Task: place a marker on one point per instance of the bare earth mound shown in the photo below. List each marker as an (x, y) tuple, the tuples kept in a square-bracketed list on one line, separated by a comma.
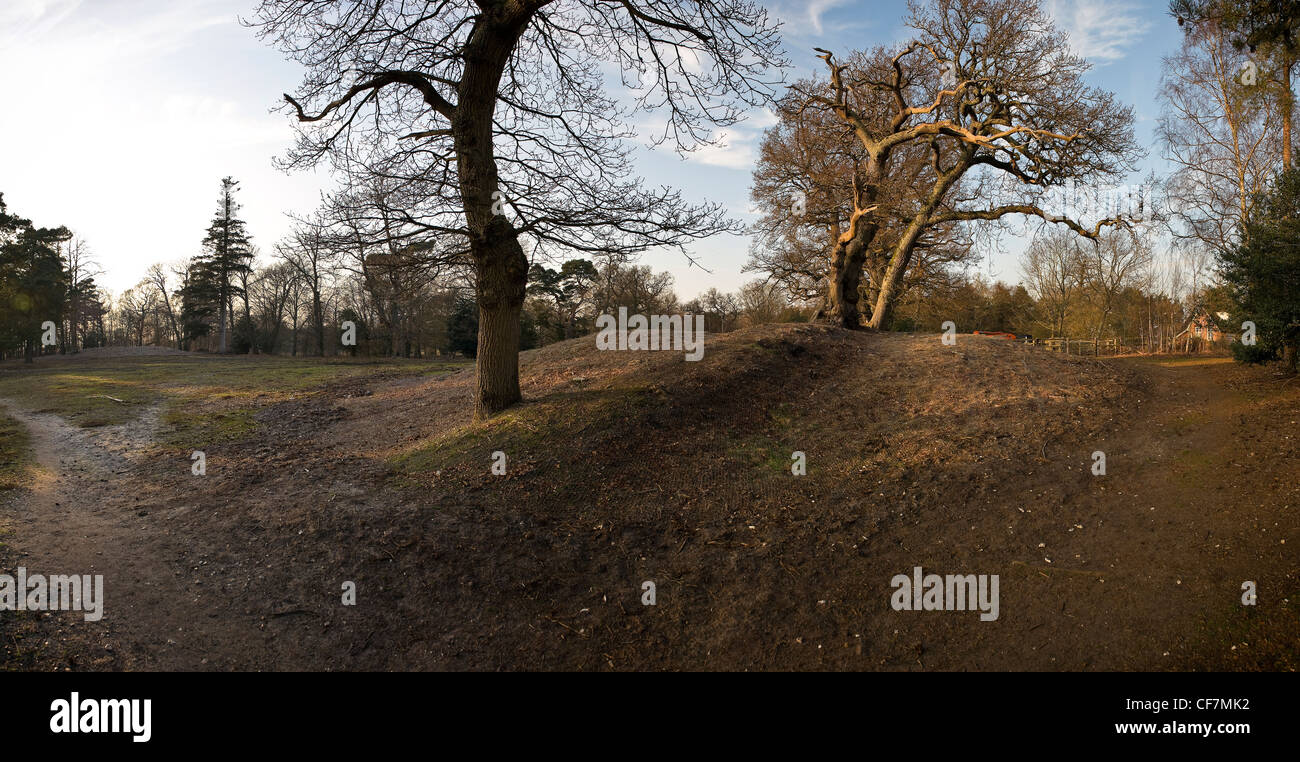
[(632, 467)]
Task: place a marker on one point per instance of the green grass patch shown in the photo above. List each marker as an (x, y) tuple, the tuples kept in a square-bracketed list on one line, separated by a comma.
[(530, 431), (84, 399), (184, 425), (761, 452), (15, 454)]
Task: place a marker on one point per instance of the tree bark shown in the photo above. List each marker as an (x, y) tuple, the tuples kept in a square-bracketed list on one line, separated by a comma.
[(888, 293), (901, 256), (320, 322), (847, 259), (500, 264), (502, 276), (849, 254)]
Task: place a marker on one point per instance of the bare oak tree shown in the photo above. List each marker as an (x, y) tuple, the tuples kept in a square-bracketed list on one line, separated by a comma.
[(804, 188), (308, 252), (1054, 270), (156, 277), (988, 86), (492, 116)]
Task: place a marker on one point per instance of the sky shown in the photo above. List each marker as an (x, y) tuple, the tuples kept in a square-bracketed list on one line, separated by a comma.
[(120, 117)]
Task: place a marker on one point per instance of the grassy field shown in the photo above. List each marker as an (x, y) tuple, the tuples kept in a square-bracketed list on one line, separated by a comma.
[(211, 397)]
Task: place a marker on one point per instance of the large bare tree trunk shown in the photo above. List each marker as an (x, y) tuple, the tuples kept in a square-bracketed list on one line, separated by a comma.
[(888, 294), (901, 256), (502, 275), (500, 264), (849, 254), (847, 259)]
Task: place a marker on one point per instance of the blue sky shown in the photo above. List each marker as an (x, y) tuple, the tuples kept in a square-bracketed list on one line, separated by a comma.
[(121, 116)]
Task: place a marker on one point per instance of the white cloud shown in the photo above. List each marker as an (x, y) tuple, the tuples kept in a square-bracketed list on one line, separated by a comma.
[(1101, 31), (21, 19), (818, 8), (762, 119), (734, 150)]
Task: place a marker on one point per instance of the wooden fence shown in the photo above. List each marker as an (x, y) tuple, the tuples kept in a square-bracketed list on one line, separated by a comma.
[(1081, 346)]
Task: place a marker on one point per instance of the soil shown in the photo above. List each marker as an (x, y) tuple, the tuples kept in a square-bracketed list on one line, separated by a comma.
[(628, 467)]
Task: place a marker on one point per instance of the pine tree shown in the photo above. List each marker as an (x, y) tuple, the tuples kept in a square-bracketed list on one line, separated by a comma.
[(199, 298), (33, 281), (1263, 274), (228, 252)]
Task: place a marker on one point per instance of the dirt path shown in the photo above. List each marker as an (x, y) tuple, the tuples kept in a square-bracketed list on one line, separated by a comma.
[(1202, 494), (1140, 568), (78, 519)]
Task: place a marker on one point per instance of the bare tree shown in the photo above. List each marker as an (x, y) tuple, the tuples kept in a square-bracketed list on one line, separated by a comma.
[(1218, 134), (1114, 262), (135, 304), (308, 252), (724, 305), (491, 117), (396, 260), (82, 270), (987, 85), (1054, 272), (156, 277), (639, 288), (761, 302), (804, 185)]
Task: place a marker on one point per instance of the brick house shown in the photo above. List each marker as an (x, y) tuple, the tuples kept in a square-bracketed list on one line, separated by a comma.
[(1207, 327)]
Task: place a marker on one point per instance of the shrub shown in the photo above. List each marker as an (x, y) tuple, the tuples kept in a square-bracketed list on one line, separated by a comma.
[(1252, 354)]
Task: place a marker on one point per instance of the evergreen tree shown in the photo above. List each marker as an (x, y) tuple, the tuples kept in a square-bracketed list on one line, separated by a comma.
[(462, 328), (1263, 274), (227, 252), (200, 296), (33, 281)]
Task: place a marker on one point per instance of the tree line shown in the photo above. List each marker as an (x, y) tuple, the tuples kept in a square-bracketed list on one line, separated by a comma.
[(49, 300)]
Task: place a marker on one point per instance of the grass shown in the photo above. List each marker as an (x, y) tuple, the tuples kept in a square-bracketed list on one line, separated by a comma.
[(184, 426), (81, 398), (1184, 361), (210, 398), (527, 430), (15, 462)]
